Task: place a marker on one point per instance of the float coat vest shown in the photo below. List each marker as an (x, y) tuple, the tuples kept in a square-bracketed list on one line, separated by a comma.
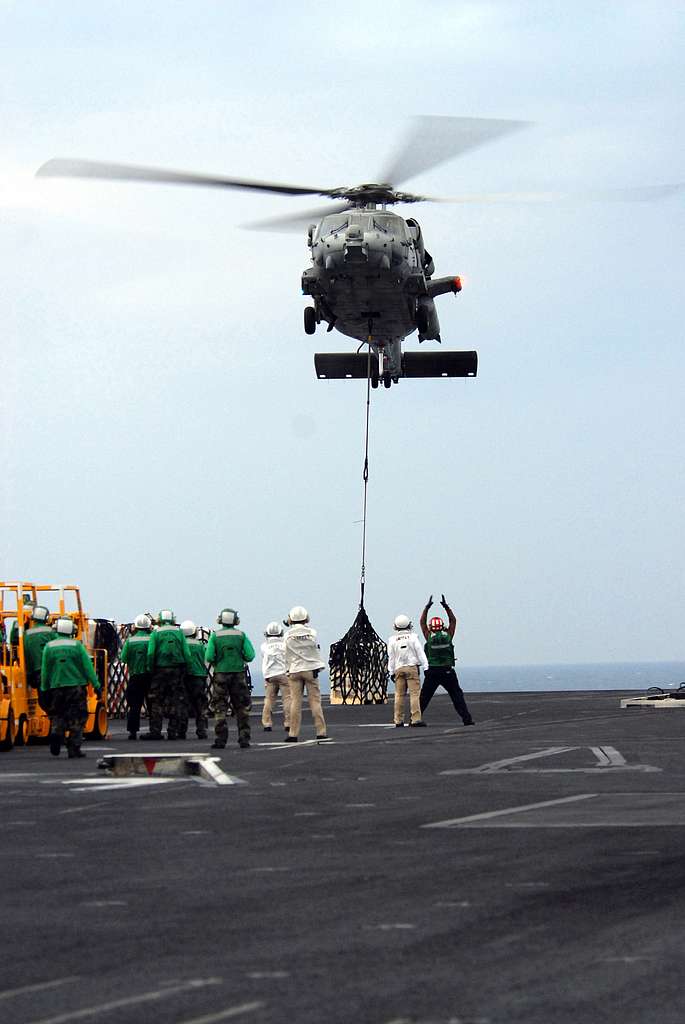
[(134, 652), (440, 650), (228, 650), (66, 663), (35, 640), (198, 649), (167, 648)]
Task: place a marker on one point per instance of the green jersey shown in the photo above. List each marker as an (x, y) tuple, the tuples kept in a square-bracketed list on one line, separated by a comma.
[(35, 640), (228, 650), (198, 649), (440, 650), (134, 652), (66, 663), (167, 648)]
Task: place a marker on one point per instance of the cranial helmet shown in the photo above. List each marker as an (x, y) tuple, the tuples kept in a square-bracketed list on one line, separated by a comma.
[(166, 617), (436, 624), (402, 622), (188, 628), (40, 613), (298, 614), (274, 629), (143, 621), (65, 626), (228, 617)]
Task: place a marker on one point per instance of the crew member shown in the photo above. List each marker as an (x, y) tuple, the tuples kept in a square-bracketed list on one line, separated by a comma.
[(134, 656), (303, 663), (229, 650), (196, 679), (36, 637), (168, 660), (405, 658), (275, 676), (440, 653), (66, 671)]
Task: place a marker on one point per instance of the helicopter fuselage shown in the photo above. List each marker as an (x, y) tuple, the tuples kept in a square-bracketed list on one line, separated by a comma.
[(371, 279)]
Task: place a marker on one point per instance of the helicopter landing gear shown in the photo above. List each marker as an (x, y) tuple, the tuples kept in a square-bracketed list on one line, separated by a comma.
[(309, 320), (374, 379)]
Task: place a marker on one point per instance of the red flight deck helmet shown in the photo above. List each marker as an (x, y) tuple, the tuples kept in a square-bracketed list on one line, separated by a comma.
[(436, 624)]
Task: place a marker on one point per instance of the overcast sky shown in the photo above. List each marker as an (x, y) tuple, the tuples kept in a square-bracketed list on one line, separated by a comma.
[(165, 440)]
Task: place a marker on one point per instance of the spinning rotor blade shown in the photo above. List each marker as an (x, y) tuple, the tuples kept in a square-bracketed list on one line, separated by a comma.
[(296, 221), (127, 172), (433, 140), (646, 193)]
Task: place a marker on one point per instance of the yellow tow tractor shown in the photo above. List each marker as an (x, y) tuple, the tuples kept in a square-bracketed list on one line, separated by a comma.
[(21, 717)]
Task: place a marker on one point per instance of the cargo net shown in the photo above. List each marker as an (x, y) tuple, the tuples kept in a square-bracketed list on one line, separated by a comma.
[(358, 665), (112, 640)]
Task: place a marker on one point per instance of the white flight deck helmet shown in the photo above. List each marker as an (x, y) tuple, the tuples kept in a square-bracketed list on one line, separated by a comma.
[(188, 628), (40, 613), (166, 617), (298, 614), (143, 621), (402, 622), (228, 617), (274, 629), (65, 626)]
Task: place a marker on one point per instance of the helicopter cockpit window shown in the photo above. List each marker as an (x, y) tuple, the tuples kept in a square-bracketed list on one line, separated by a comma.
[(390, 226), (332, 225)]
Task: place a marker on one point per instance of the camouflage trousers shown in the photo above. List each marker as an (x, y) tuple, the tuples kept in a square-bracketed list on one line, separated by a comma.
[(69, 713), (231, 689), (167, 698), (196, 687)]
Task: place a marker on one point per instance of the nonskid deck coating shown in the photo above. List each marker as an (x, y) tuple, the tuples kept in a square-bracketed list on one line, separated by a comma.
[(527, 869)]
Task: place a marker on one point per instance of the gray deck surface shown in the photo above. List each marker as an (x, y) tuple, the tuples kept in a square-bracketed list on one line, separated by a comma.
[(315, 891)]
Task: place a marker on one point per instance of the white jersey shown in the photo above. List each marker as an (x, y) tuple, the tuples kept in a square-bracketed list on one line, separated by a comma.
[(273, 657), (302, 652), (405, 648)]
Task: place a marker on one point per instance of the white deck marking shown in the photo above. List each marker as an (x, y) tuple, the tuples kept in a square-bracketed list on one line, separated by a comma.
[(258, 975), (375, 725), (494, 766), (104, 903), (607, 759), (105, 782), (39, 987), (454, 822), (400, 926), (233, 1011), (117, 1004)]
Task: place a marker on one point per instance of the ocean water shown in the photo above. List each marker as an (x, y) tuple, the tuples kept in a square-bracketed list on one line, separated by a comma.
[(631, 675), (635, 675)]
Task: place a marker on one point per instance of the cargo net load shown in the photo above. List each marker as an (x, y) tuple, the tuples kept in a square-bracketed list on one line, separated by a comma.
[(358, 665)]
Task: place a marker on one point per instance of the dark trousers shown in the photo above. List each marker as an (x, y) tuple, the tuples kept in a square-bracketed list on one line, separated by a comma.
[(446, 677), (69, 713), (231, 689), (167, 696), (43, 695), (197, 698), (136, 695)]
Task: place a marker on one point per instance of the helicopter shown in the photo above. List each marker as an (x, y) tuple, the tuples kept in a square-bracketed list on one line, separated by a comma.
[(371, 276)]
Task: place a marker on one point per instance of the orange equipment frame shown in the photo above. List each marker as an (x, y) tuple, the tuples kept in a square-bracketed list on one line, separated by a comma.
[(21, 717)]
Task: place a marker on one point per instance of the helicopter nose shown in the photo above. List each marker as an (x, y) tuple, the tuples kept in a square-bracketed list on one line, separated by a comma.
[(355, 250)]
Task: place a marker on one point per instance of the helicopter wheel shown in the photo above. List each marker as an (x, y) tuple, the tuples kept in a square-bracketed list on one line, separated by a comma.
[(374, 380), (309, 320), (386, 379)]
